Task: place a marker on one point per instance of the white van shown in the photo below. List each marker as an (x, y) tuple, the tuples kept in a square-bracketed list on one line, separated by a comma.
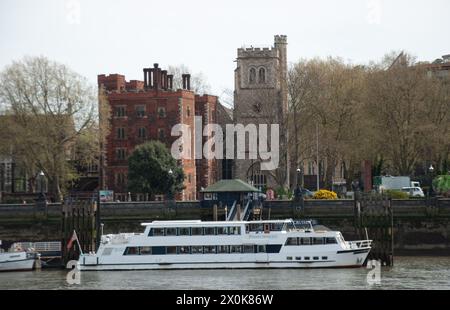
[(413, 191)]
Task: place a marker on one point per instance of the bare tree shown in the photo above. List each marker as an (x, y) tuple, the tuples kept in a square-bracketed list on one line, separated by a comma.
[(198, 80), (50, 108)]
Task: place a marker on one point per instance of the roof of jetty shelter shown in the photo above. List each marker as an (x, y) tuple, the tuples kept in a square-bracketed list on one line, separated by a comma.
[(234, 185)]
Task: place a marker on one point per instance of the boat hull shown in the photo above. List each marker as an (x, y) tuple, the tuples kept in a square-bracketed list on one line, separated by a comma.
[(19, 265), (341, 260)]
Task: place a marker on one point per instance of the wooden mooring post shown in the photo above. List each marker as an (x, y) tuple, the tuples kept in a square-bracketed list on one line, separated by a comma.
[(79, 215), (374, 219)]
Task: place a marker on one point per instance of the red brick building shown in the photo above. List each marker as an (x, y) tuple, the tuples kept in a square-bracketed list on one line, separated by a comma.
[(147, 110)]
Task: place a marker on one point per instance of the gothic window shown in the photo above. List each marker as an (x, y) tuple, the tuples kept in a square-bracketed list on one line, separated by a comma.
[(262, 75), (252, 76), (121, 154), (140, 110), (142, 133), (161, 134), (161, 112), (120, 133)]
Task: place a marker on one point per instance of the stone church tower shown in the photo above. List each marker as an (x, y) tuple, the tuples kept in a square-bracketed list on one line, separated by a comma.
[(260, 97)]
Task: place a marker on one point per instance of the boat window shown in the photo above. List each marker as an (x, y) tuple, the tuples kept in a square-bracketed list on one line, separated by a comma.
[(197, 231), (261, 248), (235, 230), (325, 257), (184, 250), (298, 258), (222, 249), (276, 226), (196, 249), (171, 231), (291, 241), (158, 250), (289, 258), (131, 250), (256, 227), (316, 257), (235, 249), (222, 230), (150, 232), (305, 241), (209, 231), (249, 249), (145, 250), (171, 250), (158, 231), (317, 240), (306, 257), (331, 240), (184, 231), (210, 249), (273, 248)]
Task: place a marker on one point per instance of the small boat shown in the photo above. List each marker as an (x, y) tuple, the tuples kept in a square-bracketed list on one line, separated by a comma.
[(228, 244), (19, 260)]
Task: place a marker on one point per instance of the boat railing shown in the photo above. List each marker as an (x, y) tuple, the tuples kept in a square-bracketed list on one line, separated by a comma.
[(359, 244), (232, 211), (246, 214)]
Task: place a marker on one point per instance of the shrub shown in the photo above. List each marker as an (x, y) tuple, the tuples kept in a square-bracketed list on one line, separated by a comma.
[(396, 194), (325, 194)]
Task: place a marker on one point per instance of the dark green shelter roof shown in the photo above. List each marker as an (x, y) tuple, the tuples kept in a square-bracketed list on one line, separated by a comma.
[(234, 185)]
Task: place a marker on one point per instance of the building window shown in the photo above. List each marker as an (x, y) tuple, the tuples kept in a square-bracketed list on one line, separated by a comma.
[(188, 111), (161, 134), (142, 133), (262, 75), (121, 153), (120, 111), (189, 178), (140, 111), (161, 112), (120, 179), (120, 133), (252, 76), (259, 181), (257, 107)]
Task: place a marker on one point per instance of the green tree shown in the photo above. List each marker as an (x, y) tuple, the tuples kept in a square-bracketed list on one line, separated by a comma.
[(149, 168)]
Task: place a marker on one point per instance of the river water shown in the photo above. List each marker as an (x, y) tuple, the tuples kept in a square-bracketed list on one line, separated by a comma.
[(408, 273)]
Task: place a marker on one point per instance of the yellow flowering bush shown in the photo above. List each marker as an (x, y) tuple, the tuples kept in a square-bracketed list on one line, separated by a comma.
[(325, 194)]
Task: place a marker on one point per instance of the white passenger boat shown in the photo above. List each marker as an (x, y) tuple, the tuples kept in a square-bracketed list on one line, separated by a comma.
[(230, 244), (18, 260)]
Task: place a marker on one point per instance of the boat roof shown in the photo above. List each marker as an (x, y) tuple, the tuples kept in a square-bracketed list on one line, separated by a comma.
[(213, 223)]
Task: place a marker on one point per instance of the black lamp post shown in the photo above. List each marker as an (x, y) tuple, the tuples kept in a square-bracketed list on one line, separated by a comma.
[(430, 189), (298, 190), (42, 200), (169, 193)]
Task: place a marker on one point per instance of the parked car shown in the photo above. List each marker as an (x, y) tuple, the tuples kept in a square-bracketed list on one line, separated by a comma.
[(413, 191)]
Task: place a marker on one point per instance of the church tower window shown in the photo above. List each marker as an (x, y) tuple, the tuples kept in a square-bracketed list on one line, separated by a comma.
[(262, 75), (252, 76)]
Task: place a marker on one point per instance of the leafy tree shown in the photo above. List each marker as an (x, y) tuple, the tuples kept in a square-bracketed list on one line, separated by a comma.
[(149, 169)]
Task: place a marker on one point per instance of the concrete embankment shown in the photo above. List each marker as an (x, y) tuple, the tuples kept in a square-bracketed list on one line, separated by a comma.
[(420, 227)]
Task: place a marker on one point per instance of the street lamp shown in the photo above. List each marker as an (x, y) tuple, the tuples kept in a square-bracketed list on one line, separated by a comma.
[(430, 170), (41, 180), (298, 190), (170, 184)]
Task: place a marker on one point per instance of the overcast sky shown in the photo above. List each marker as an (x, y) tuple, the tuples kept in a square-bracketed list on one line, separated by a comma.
[(112, 36)]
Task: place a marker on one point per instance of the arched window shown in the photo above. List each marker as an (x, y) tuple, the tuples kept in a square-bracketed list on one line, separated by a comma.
[(252, 76), (262, 75)]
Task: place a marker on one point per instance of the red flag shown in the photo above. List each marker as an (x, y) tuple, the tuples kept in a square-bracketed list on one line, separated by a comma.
[(74, 238)]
